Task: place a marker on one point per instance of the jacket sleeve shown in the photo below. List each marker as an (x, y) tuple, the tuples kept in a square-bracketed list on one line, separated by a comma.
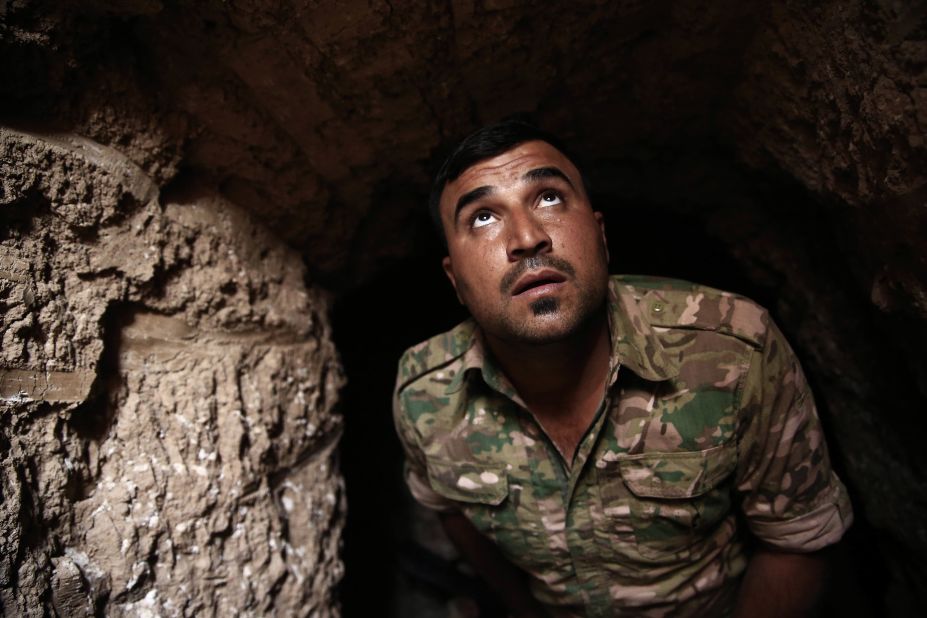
[(789, 496), (415, 467)]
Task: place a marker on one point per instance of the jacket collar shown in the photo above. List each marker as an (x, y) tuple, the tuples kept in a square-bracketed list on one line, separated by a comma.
[(634, 344)]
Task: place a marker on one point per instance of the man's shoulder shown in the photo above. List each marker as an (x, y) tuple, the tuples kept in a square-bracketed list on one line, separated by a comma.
[(675, 303), (438, 354)]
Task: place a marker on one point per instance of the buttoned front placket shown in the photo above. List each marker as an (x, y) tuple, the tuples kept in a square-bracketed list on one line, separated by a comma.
[(580, 526), (569, 526), (564, 496)]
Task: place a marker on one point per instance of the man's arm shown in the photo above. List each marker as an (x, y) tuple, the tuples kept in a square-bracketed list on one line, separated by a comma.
[(782, 585), (793, 503), (502, 576)]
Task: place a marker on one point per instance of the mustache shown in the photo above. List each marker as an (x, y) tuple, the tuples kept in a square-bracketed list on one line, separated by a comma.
[(535, 262)]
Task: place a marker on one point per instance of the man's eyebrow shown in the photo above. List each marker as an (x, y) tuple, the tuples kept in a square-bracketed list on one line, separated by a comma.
[(542, 173), (472, 196)]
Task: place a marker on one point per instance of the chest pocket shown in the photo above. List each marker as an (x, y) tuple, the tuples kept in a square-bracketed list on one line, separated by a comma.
[(482, 493), (670, 501)]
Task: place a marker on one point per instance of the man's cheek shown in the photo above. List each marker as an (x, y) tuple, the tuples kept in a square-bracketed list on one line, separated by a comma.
[(464, 290)]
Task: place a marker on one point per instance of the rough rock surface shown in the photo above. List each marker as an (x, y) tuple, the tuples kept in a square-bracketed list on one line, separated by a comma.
[(835, 96), (776, 149), (167, 385)]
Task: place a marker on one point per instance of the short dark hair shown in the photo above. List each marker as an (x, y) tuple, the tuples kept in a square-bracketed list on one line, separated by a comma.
[(486, 143)]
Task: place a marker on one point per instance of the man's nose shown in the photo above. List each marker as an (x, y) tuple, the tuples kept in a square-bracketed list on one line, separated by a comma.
[(527, 237)]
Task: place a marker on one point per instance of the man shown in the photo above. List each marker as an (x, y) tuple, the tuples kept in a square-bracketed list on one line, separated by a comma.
[(606, 446)]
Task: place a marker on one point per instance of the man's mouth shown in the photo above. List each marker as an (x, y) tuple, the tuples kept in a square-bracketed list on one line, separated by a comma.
[(536, 280)]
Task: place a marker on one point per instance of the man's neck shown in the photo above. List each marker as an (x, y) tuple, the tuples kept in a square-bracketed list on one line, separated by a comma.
[(559, 375)]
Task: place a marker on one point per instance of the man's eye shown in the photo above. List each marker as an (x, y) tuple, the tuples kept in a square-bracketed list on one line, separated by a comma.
[(483, 218), (551, 198)]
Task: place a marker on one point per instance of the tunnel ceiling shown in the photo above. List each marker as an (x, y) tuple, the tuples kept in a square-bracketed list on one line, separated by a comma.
[(326, 118)]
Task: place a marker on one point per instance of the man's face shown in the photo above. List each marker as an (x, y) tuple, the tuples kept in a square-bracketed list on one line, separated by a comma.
[(526, 253)]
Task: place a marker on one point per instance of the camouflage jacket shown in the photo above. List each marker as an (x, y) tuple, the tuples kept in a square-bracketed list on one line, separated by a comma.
[(707, 424)]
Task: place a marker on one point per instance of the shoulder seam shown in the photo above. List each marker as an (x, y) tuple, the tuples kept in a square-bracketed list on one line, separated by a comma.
[(666, 309), (425, 369)]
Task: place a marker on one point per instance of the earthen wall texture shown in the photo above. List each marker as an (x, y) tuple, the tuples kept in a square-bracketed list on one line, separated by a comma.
[(182, 181), (168, 391)]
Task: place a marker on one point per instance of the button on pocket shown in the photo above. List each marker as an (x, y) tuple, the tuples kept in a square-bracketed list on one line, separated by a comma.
[(481, 492)]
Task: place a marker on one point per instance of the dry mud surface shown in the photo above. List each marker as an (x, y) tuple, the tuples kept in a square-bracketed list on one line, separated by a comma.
[(168, 388), (186, 186)]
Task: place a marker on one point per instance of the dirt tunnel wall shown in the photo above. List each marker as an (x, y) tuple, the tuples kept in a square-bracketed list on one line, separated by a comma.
[(191, 194)]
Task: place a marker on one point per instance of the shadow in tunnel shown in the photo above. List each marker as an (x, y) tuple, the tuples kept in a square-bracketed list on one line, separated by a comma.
[(410, 301), (373, 324)]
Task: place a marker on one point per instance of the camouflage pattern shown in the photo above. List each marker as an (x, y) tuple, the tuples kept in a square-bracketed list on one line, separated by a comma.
[(707, 414)]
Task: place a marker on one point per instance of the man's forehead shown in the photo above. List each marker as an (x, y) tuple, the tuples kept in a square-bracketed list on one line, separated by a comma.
[(508, 167), (513, 163)]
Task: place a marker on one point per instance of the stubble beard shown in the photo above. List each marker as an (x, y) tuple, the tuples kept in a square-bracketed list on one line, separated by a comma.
[(544, 306), (551, 321)]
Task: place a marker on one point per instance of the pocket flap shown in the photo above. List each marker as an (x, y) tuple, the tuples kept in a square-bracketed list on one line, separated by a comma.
[(677, 475), (468, 482)]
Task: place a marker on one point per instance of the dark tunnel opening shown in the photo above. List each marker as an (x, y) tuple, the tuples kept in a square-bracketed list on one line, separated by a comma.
[(692, 215)]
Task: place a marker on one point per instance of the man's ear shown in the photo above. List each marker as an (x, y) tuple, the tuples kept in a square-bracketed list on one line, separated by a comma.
[(449, 271), (600, 219)]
